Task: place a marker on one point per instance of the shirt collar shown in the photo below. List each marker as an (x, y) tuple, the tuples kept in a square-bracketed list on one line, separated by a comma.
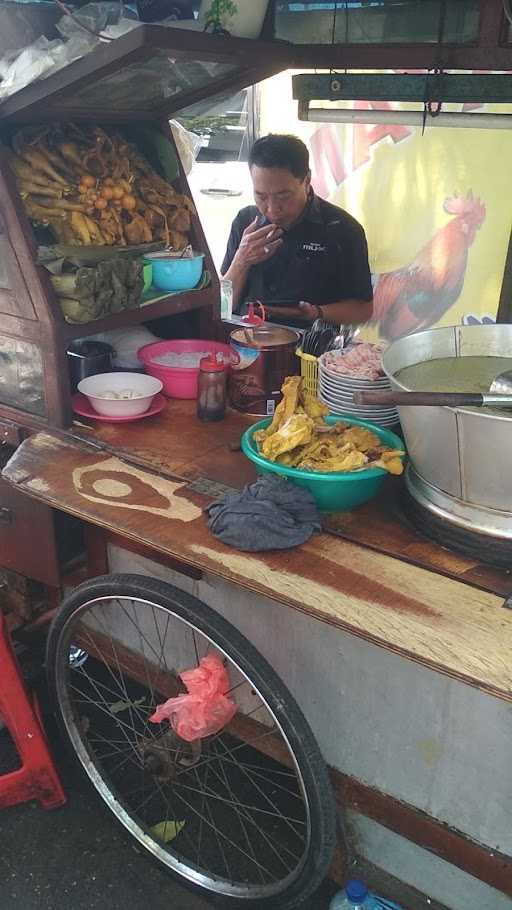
[(311, 211)]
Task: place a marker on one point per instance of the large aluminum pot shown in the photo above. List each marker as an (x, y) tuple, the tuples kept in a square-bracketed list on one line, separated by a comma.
[(460, 457)]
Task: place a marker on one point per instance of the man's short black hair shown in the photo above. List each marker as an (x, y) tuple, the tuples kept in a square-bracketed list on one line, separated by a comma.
[(286, 152)]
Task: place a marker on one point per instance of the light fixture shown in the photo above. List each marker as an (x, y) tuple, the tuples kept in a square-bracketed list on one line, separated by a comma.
[(423, 88), (462, 119)]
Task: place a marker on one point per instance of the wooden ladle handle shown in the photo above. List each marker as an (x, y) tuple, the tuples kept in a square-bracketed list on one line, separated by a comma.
[(424, 399)]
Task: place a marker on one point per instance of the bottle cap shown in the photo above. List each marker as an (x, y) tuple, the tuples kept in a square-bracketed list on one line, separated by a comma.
[(356, 890), (210, 364)]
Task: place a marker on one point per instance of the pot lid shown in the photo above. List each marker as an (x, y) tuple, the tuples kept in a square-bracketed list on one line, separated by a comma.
[(147, 74), (265, 336)]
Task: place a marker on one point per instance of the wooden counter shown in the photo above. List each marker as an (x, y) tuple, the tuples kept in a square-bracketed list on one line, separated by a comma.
[(148, 486)]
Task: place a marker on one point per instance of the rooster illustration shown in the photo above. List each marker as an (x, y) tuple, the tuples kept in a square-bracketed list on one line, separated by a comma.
[(415, 297)]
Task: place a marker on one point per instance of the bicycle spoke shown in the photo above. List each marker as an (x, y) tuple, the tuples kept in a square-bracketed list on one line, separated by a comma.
[(263, 794), (268, 780), (220, 833), (240, 817), (243, 745), (121, 674), (246, 818)]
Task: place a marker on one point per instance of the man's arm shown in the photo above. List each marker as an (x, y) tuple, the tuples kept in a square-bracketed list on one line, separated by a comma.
[(237, 273), (256, 245), (344, 312)]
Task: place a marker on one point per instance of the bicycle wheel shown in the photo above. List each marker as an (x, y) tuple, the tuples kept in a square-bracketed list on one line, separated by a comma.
[(246, 815)]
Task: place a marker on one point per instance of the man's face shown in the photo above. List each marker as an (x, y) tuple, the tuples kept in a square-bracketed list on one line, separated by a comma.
[(279, 195)]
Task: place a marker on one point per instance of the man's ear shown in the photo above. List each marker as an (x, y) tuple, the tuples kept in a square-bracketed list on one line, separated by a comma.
[(307, 181)]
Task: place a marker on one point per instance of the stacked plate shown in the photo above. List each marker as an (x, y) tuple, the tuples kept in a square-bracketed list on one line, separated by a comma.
[(336, 390)]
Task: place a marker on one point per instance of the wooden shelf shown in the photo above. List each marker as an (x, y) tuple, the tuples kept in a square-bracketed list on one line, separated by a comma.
[(167, 306)]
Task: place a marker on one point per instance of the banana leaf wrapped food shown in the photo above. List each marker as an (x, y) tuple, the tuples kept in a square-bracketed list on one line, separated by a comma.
[(89, 293)]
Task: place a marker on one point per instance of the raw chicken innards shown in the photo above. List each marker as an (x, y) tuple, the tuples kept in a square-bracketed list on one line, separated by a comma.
[(299, 437), (363, 361)]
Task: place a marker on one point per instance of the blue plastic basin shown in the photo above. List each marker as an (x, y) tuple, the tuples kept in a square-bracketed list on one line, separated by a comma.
[(335, 491), (176, 274)]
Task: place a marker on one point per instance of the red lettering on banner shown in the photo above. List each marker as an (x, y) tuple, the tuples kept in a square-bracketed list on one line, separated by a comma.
[(327, 158), (327, 147), (365, 136)]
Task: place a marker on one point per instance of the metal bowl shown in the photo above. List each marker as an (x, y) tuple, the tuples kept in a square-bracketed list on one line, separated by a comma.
[(460, 455)]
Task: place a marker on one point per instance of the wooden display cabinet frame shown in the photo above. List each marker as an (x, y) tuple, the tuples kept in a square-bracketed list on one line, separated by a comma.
[(29, 309)]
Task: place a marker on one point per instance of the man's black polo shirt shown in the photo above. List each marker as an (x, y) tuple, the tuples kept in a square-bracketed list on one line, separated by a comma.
[(323, 258)]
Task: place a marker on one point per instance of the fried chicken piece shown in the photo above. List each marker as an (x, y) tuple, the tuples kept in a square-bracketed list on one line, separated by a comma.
[(137, 231), (286, 407), (295, 431), (343, 462), (180, 221), (391, 461), (315, 408), (361, 438)]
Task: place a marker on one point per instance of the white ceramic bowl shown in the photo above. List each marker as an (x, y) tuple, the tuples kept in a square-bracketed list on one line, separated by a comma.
[(94, 387)]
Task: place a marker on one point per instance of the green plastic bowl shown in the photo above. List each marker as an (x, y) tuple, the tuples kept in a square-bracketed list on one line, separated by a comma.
[(334, 491), (147, 272)]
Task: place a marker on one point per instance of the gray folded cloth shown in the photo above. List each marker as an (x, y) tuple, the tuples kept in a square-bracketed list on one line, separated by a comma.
[(270, 514)]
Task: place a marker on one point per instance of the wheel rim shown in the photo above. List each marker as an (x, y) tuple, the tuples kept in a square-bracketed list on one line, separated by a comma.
[(247, 819)]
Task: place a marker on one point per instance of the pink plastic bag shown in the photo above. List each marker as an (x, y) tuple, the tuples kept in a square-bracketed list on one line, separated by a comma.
[(206, 709)]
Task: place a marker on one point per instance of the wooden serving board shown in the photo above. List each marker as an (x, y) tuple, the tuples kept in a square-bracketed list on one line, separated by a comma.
[(176, 444), (443, 623), (382, 526)]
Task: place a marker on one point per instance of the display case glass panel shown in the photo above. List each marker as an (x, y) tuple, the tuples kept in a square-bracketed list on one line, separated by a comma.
[(21, 376), (376, 21)]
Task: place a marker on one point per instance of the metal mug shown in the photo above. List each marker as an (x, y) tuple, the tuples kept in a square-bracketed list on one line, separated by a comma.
[(87, 358)]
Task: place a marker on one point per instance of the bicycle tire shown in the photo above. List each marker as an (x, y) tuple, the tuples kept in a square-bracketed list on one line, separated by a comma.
[(263, 681)]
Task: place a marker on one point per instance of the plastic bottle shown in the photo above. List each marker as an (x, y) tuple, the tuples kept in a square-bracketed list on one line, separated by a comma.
[(211, 388), (356, 896), (226, 298)]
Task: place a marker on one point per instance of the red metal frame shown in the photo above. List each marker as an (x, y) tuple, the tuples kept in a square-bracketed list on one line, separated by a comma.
[(37, 777)]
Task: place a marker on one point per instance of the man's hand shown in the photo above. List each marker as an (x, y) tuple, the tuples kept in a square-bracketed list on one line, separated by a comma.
[(309, 311), (258, 244)]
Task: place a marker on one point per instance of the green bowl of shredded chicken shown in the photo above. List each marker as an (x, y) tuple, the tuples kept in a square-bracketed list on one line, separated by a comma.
[(334, 490)]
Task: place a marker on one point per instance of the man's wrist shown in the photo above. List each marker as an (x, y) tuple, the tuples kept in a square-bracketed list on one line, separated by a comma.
[(238, 265)]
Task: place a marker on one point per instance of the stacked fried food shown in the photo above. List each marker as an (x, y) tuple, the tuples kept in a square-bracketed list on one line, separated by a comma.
[(299, 437), (92, 186)]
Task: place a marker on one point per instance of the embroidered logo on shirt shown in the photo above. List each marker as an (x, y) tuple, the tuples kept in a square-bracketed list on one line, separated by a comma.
[(313, 248)]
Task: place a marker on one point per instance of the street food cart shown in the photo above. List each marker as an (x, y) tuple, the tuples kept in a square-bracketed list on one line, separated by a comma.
[(396, 651)]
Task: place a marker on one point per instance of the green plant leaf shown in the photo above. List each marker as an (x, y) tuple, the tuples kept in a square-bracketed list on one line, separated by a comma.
[(166, 831)]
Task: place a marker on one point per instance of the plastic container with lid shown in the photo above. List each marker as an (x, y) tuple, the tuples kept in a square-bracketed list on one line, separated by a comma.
[(211, 388)]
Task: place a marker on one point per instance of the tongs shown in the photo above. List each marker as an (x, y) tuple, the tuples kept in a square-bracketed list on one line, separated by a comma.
[(324, 336)]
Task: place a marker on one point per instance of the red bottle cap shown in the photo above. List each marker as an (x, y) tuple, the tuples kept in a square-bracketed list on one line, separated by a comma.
[(210, 364)]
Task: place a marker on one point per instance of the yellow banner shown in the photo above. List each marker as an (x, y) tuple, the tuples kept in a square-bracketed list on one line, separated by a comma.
[(435, 207)]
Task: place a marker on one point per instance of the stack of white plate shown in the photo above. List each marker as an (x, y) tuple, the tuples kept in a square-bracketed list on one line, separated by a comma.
[(336, 390)]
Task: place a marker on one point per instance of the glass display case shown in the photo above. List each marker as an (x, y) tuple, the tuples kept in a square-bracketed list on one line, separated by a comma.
[(377, 21), (128, 89)]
